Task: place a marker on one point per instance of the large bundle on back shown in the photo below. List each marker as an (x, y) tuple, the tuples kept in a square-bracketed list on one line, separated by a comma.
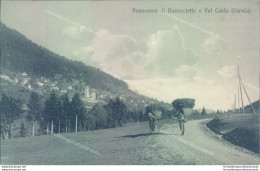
[(184, 105), (157, 114), (155, 109)]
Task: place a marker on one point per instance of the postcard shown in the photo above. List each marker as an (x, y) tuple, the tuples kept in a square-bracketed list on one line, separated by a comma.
[(130, 83)]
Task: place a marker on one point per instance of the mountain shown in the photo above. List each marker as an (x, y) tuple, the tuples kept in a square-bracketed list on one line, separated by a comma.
[(22, 60), (18, 54)]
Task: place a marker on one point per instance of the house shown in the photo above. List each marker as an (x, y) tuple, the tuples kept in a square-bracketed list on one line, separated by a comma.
[(29, 86), (87, 91), (93, 96), (24, 74), (55, 88), (40, 84), (70, 94)]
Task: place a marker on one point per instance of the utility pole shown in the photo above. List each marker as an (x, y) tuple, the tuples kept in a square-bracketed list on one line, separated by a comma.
[(47, 129), (240, 89), (76, 126), (52, 127), (59, 126), (238, 99), (248, 97), (33, 129), (235, 102), (241, 83)]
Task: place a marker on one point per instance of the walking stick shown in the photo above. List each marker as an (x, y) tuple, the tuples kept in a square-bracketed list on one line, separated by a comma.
[(172, 124), (172, 127)]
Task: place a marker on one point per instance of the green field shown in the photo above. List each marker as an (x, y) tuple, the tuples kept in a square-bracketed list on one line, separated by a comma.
[(78, 148), (240, 129), (128, 145)]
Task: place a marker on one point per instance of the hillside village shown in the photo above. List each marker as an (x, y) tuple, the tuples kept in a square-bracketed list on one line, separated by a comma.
[(90, 96), (65, 91)]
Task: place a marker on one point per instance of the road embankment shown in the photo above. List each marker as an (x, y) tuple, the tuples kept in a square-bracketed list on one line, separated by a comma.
[(240, 129)]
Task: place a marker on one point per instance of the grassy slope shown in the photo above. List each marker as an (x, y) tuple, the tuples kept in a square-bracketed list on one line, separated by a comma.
[(127, 145), (110, 143), (240, 129)]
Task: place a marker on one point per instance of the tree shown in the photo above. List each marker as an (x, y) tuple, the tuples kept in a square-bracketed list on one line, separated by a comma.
[(52, 112), (91, 122), (195, 112), (153, 107), (60, 116), (203, 111), (10, 110), (116, 113), (100, 115), (141, 116), (22, 131), (67, 113), (34, 109), (78, 112), (179, 104)]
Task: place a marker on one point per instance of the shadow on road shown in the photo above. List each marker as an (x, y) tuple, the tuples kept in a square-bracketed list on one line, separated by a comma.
[(140, 135)]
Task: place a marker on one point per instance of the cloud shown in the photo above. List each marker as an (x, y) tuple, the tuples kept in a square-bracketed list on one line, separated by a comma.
[(163, 67), (120, 54), (166, 52), (116, 54), (214, 55), (214, 44), (185, 71), (73, 31), (202, 80), (228, 71)]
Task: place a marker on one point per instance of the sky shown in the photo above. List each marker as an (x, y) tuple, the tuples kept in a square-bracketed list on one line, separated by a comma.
[(161, 55)]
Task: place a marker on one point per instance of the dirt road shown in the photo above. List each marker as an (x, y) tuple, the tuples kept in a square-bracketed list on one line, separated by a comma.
[(198, 146), (132, 144)]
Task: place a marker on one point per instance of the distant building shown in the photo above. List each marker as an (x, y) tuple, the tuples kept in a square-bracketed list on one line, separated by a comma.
[(87, 91), (40, 84), (122, 98), (5, 77), (55, 88), (23, 79), (29, 86), (16, 80), (43, 79), (70, 94), (63, 91), (25, 107), (24, 74), (93, 96)]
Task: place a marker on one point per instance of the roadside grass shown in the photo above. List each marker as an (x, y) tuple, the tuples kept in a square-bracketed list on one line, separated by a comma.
[(66, 149), (240, 129)]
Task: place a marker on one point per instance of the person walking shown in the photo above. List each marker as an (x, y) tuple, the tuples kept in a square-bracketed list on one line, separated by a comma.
[(152, 122), (181, 122)]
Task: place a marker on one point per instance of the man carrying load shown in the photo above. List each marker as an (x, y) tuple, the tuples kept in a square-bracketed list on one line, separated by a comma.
[(154, 113), (180, 105), (181, 122)]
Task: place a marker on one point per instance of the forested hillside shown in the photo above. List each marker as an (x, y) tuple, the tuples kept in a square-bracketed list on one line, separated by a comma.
[(42, 91), (19, 54)]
